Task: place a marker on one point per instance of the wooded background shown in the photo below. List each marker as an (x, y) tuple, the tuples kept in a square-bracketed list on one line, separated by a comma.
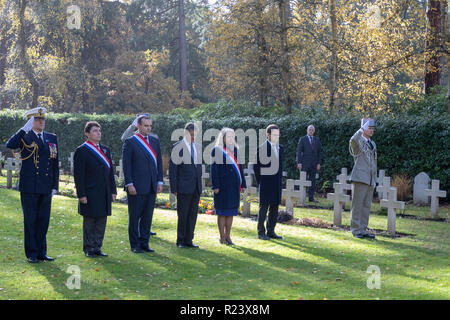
[(156, 55)]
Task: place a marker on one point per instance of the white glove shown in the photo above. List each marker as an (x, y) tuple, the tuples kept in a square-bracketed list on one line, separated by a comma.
[(54, 191), (366, 125), (135, 122), (29, 125)]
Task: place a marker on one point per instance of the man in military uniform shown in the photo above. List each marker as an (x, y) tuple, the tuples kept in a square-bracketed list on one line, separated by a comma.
[(363, 177), (39, 178)]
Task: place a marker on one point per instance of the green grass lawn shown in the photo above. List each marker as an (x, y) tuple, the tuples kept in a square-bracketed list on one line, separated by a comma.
[(309, 263)]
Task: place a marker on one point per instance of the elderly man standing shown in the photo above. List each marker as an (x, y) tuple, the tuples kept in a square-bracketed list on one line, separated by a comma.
[(309, 158), (363, 177)]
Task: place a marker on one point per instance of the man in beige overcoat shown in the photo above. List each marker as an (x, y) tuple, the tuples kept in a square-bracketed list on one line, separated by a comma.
[(363, 177)]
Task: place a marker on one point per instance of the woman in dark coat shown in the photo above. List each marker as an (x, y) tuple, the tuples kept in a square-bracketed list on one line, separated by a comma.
[(227, 181), (96, 188)]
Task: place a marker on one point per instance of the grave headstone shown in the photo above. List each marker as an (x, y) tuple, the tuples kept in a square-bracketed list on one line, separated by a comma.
[(383, 189), (289, 193), (205, 175), (71, 163), (12, 164), (303, 184), (421, 182), (250, 190), (435, 194), (391, 204), (338, 198)]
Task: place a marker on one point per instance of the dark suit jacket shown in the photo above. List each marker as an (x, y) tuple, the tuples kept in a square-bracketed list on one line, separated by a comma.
[(184, 177), (224, 178), (270, 186), (44, 176), (94, 180), (309, 156), (139, 168)]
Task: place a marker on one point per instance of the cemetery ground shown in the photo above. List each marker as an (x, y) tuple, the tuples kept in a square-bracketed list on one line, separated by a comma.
[(308, 263)]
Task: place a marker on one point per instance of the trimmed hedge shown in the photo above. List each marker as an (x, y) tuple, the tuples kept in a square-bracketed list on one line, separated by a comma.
[(407, 144)]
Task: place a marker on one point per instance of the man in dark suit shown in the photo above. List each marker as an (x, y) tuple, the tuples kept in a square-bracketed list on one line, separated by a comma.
[(142, 169), (96, 188), (39, 177), (309, 158), (185, 173), (268, 173)]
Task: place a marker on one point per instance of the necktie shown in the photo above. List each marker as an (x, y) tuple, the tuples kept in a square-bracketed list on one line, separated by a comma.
[(370, 144), (311, 142), (40, 139), (192, 153)]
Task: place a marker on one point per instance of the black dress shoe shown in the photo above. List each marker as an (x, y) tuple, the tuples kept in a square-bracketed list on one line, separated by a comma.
[(312, 200), (101, 254), (191, 245), (152, 233), (263, 237), (137, 250), (32, 260), (274, 236), (369, 235), (147, 249), (90, 254), (180, 245), (46, 258), (359, 235)]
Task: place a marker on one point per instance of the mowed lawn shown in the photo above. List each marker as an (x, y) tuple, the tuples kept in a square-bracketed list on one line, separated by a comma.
[(309, 263)]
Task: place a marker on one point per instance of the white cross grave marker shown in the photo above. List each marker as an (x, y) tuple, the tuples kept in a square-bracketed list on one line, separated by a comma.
[(435, 194)]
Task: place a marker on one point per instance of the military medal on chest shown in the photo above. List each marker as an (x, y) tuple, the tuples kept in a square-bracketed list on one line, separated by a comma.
[(53, 150)]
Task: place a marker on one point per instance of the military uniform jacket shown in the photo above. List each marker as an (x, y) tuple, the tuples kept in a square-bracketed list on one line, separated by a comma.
[(94, 180), (43, 175), (365, 157)]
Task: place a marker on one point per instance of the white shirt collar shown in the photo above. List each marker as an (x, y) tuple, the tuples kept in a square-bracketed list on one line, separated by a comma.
[(41, 133), (273, 145)]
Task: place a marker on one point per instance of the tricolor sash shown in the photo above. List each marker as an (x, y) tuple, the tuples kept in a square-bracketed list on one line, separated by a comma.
[(147, 147), (98, 153), (232, 159)]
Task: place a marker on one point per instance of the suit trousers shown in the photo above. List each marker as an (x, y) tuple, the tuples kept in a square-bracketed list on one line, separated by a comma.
[(311, 176), (93, 233), (187, 210), (36, 218), (271, 219), (361, 203), (140, 214)]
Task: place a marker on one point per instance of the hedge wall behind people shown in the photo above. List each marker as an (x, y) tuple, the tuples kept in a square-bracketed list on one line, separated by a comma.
[(406, 145)]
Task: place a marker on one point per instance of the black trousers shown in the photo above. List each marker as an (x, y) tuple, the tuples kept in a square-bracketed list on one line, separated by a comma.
[(36, 217), (93, 233), (140, 214), (271, 219), (311, 176), (187, 210)]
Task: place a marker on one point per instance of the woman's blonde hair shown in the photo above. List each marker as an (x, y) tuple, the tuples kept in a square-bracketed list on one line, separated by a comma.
[(222, 135)]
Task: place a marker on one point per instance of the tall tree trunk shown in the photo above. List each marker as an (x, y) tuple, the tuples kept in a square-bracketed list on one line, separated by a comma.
[(284, 14), (263, 53), (3, 56), (433, 65), (182, 46), (333, 67), (445, 40), (24, 58)]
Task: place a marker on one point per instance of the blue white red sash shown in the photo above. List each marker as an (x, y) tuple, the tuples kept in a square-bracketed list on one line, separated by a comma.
[(98, 153), (232, 159), (147, 147)]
